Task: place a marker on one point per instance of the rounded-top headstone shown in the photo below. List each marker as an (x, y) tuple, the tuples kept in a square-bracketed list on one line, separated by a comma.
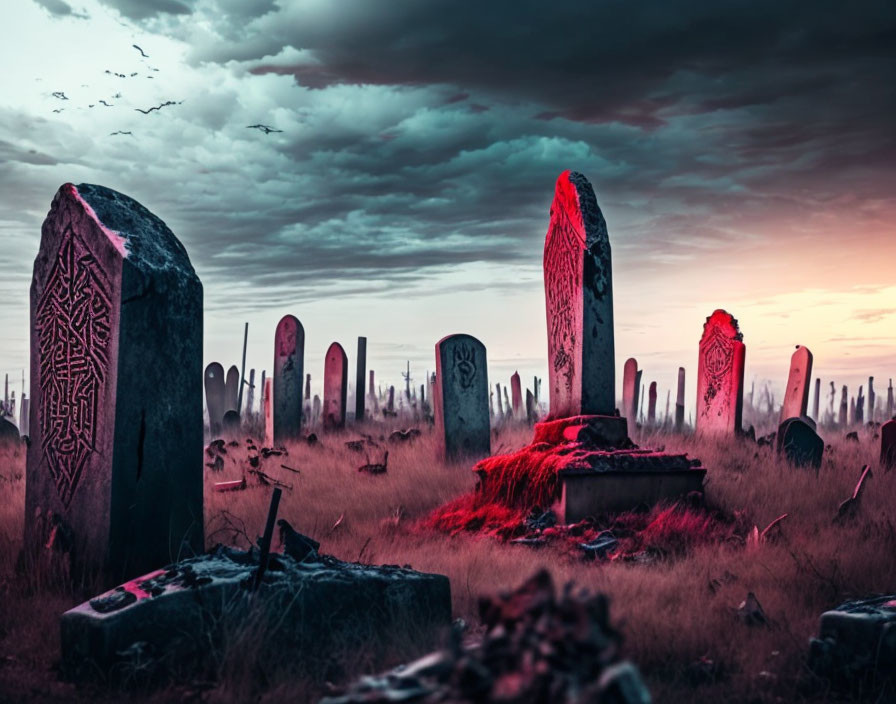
[(720, 376), (796, 395), (578, 285), (289, 362), (116, 368), (215, 396), (460, 398), (335, 386)]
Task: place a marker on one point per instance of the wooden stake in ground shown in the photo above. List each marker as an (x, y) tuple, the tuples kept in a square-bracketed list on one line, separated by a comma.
[(265, 544)]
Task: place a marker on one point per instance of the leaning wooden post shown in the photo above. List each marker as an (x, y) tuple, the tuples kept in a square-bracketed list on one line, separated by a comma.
[(265, 545), (239, 398)]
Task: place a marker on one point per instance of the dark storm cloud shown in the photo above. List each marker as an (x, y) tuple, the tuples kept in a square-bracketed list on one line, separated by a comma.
[(56, 7), (148, 9)]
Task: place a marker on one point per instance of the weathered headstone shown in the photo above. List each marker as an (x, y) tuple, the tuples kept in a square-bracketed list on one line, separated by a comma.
[(720, 376), (461, 396), (860, 407), (630, 392), (307, 387), (215, 396), (889, 411), (115, 460), (516, 395), (844, 408), (231, 389), (360, 372), (797, 440), (315, 408), (888, 444), (531, 415), (796, 395), (651, 404), (24, 415), (679, 401), (268, 410), (871, 398), (335, 386), (9, 433), (390, 403), (817, 403), (579, 294), (289, 362)]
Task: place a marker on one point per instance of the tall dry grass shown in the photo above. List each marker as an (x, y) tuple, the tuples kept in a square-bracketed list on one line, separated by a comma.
[(673, 612)]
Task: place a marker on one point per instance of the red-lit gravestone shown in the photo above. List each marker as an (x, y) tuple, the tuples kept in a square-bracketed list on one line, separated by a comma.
[(114, 471), (796, 395), (460, 398), (214, 396), (289, 360), (335, 386), (231, 389), (516, 395), (888, 444), (630, 392), (720, 376), (578, 287)]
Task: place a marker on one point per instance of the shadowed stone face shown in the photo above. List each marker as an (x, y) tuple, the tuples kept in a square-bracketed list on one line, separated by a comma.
[(720, 376), (796, 396), (460, 397), (579, 301), (116, 318), (335, 386), (289, 360)]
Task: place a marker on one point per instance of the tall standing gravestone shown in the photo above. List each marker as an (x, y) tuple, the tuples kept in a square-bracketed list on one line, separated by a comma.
[(215, 396), (335, 386), (796, 395), (516, 395), (888, 445), (232, 389), (579, 295), (289, 361), (360, 371), (630, 391), (460, 398), (679, 402), (116, 367), (720, 376), (268, 411), (651, 404)]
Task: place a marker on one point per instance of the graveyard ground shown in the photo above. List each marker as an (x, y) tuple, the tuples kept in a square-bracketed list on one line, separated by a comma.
[(674, 609)]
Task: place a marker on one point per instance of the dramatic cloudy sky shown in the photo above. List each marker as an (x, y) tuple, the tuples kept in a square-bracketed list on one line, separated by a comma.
[(743, 153)]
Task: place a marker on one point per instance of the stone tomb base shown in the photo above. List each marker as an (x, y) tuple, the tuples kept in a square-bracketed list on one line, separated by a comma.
[(312, 608)]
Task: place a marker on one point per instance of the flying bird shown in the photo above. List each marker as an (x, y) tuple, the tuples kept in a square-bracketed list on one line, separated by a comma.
[(59, 94), (106, 104), (156, 107), (142, 53), (133, 74), (59, 109), (263, 128), (112, 134)]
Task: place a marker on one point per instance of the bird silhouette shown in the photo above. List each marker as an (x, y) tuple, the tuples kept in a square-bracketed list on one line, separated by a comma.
[(111, 134), (59, 109), (59, 94), (106, 104), (263, 128), (156, 107), (142, 53)]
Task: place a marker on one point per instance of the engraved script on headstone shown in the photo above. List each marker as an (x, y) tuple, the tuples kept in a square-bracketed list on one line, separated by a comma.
[(464, 368), (720, 375), (73, 324)]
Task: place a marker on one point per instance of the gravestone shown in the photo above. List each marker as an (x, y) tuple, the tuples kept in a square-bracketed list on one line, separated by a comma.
[(679, 401), (844, 408), (9, 433), (817, 403), (888, 444), (263, 392), (531, 415), (516, 395), (231, 389), (860, 407), (360, 372), (289, 361), (315, 408), (797, 440), (579, 296), (461, 396), (871, 398), (250, 395), (268, 410), (651, 403), (630, 392), (796, 395), (116, 455), (24, 415), (852, 411), (889, 411), (335, 386), (215, 396), (720, 376), (307, 387)]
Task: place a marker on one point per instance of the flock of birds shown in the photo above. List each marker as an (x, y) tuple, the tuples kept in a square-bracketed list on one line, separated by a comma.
[(60, 95)]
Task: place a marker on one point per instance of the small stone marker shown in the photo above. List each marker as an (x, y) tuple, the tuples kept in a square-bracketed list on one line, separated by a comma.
[(268, 403), (516, 395), (315, 408), (335, 386), (214, 396), (289, 361), (720, 376), (390, 404), (630, 392), (679, 402), (578, 286), (888, 444), (651, 404), (231, 389), (797, 440), (116, 367), (307, 387), (360, 372), (796, 395), (461, 397)]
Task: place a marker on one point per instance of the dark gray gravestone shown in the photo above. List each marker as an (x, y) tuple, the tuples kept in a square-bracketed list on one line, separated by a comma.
[(516, 395), (679, 402), (215, 396), (231, 389), (9, 433), (578, 285), (797, 440), (335, 386), (461, 397), (651, 404), (888, 444), (289, 361), (360, 371), (116, 368)]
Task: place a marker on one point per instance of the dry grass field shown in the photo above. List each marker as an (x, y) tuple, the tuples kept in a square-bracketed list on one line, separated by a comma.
[(673, 610)]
